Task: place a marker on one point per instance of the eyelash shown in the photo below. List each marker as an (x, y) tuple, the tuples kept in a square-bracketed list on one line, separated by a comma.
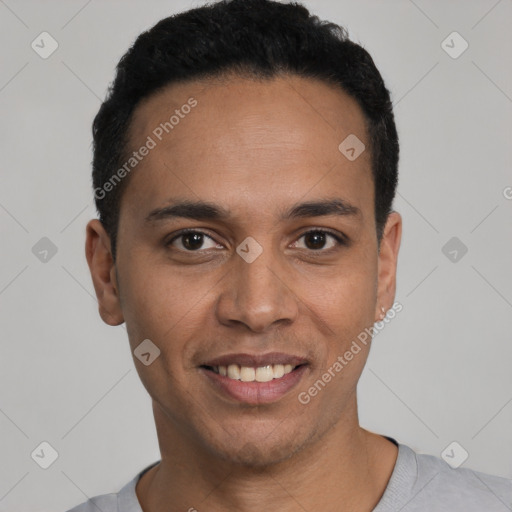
[(340, 239)]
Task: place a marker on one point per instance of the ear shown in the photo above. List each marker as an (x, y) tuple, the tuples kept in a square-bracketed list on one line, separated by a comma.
[(103, 272), (387, 264)]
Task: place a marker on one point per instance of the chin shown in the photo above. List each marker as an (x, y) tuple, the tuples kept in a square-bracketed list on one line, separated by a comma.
[(257, 456), (261, 450)]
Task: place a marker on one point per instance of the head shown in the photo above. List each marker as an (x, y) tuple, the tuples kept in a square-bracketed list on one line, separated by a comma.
[(230, 120)]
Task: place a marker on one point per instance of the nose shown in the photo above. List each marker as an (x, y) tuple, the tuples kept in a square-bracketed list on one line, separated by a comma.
[(257, 294)]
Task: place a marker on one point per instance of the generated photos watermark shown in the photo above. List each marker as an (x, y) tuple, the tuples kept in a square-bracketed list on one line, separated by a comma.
[(363, 338), (152, 141)]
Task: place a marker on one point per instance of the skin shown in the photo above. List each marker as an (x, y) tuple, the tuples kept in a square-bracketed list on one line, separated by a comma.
[(254, 147)]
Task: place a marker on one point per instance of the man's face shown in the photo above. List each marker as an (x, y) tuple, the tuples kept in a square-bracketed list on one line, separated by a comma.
[(251, 289)]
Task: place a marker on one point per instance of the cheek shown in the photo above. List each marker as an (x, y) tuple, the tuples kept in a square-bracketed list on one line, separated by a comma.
[(347, 311), (344, 310), (348, 300), (163, 305)]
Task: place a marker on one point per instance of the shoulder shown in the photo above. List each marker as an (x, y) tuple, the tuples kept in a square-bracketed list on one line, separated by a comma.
[(125, 500), (437, 483), (105, 503)]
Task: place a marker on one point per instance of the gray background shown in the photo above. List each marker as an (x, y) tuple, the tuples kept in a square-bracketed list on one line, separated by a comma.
[(439, 372)]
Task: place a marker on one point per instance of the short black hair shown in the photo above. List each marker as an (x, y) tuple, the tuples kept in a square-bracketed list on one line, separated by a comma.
[(251, 38)]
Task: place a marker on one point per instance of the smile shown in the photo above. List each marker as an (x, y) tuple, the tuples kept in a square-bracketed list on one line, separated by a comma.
[(255, 379), (250, 374)]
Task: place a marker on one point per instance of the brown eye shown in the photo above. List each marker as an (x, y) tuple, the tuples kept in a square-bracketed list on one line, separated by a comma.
[(191, 240), (315, 240)]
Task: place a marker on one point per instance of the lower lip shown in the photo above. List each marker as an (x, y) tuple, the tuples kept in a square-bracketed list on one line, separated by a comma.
[(256, 392)]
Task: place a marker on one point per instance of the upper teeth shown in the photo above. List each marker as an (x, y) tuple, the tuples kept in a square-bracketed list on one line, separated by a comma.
[(248, 374)]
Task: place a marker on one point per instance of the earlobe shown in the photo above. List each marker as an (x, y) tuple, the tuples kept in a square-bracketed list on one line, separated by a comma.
[(387, 263), (102, 268)]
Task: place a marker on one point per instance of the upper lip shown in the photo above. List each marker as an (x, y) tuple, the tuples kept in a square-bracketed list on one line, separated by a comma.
[(256, 360)]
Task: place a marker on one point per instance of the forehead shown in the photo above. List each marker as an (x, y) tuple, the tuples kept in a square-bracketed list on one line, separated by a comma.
[(248, 142)]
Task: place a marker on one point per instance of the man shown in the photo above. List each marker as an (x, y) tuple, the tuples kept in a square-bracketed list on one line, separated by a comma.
[(245, 165)]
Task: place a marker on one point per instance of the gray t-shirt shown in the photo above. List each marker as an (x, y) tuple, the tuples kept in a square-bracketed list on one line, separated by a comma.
[(419, 483)]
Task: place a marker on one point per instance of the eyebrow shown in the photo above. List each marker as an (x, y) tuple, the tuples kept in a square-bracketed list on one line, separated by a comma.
[(203, 210)]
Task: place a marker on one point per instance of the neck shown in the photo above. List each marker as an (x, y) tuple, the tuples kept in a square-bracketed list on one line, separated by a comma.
[(347, 469)]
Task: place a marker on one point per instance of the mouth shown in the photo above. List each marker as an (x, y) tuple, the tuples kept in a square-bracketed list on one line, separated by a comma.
[(250, 374), (255, 379)]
